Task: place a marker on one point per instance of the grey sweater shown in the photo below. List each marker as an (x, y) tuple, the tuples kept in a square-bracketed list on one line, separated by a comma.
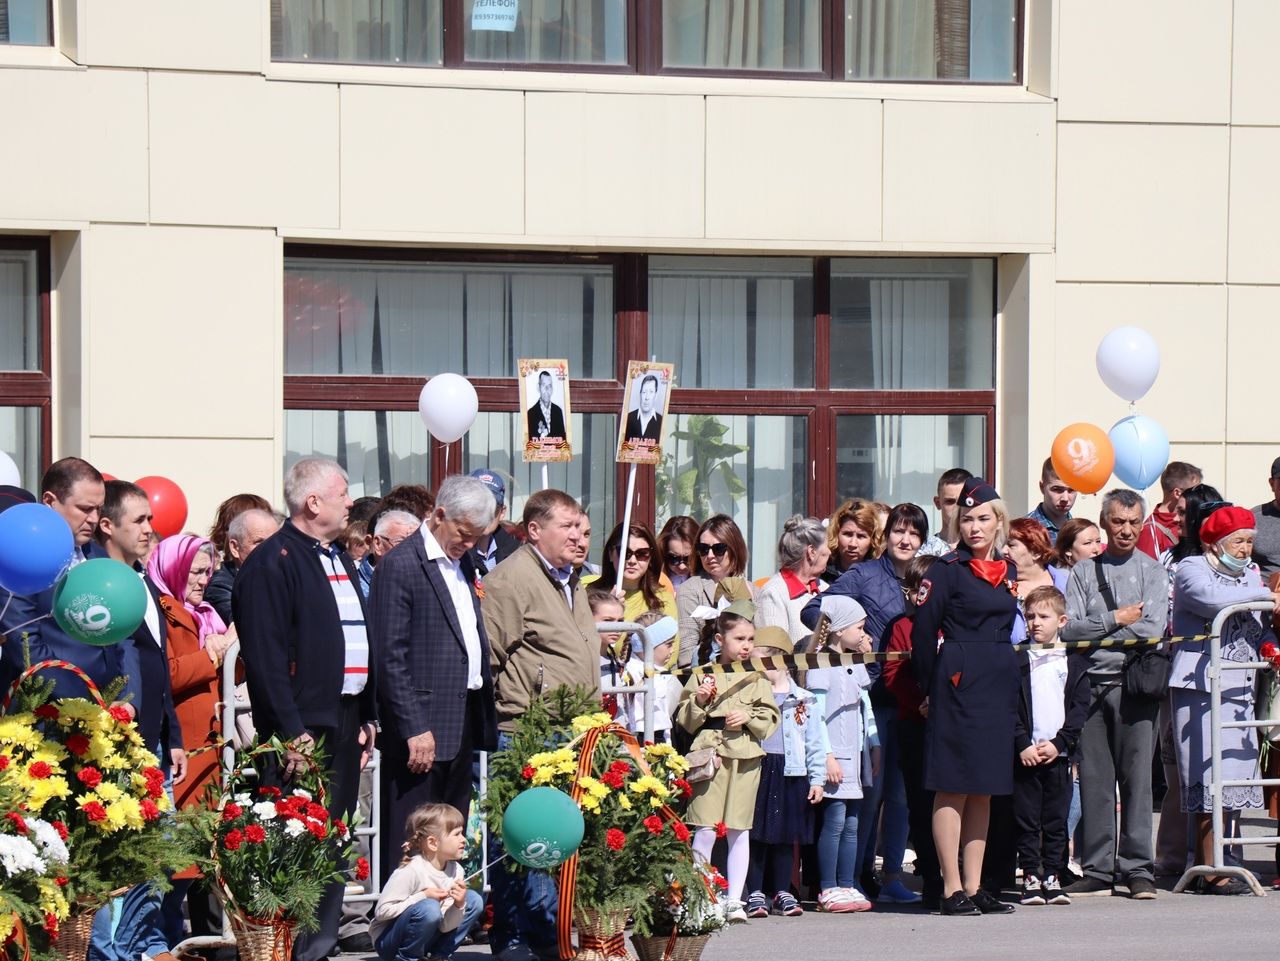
[(1266, 545), (1133, 579)]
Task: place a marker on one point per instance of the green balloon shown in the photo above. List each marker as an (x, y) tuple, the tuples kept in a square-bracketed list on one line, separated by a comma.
[(100, 601), (542, 827)]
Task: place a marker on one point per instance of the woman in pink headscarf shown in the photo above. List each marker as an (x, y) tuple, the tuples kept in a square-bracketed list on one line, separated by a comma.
[(180, 567)]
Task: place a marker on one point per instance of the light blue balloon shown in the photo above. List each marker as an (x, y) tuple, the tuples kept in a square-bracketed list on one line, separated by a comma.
[(1142, 450)]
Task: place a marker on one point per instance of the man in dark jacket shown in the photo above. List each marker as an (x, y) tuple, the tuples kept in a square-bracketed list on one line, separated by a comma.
[(302, 632), (246, 531), (496, 544)]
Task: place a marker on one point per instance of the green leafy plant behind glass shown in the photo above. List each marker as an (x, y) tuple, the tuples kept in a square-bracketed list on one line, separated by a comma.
[(708, 455)]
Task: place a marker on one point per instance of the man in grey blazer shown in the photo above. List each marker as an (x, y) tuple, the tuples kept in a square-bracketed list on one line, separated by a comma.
[(436, 695)]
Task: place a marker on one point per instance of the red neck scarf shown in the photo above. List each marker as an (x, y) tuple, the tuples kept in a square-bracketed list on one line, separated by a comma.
[(994, 573)]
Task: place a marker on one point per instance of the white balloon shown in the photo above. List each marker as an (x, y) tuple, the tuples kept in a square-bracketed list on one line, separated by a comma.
[(1128, 362), (448, 405), (9, 473)]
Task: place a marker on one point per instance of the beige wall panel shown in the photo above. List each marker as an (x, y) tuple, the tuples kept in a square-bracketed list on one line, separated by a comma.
[(1186, 322), (793, 169), (241, 151), (167, 301), (1248, 467), (1255, 82), (208, 470), (226, 35), (608, 165), (1154, 60), (1252, 325), (83, 137), (1255, 206), (435, 160), (968, 172), (1142, 203)]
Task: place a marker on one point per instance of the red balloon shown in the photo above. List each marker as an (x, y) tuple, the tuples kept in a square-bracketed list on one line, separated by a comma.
[(168, 505)]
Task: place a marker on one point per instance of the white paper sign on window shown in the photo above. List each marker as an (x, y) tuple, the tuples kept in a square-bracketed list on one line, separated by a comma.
[(497, 15)]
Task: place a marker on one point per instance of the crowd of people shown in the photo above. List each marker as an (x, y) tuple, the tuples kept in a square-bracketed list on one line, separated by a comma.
[(424, 623)]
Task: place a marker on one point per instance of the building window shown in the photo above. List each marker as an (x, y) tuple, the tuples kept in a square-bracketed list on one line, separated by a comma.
[(800, 381), (958, 41), (25, 384), (26, 23)]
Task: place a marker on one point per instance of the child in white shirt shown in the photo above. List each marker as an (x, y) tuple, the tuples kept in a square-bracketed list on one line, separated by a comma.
[(662, 629)]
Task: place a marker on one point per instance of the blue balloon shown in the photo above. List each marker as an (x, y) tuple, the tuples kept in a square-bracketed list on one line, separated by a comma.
[(36, 547), (1142, 450)]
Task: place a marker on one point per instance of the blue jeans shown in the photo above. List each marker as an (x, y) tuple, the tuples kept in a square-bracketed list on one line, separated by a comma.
[(889, 789), (416, 933), (838, 843), (524, 904)]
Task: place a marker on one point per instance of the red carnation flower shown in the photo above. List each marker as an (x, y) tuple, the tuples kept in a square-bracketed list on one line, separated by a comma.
[(1268, 650), (149, 810), (615, 839), (61, 882), (318, 811), (231, 811), (613, 779), (653, 823), (684, 787), (120, 713), (680, 831), (18, 822), (153, 774), (721, 882), (621, 767), (90, 777), (47, 711), (78, 744), (341, 828), (4, 761), (61, 829), (527, 772), (269, 791), (722, 829), (155, 790), (39, 770), (94, 811), (233, 840), (255, 834), (362, 869), (317, 830), (51, 923)]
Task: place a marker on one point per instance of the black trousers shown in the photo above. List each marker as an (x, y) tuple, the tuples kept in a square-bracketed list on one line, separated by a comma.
[(448, 782), (919, 803), (1041, 801)]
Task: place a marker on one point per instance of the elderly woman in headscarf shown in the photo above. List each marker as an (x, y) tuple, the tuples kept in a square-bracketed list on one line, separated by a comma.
[(180, 567), (1219, 576)]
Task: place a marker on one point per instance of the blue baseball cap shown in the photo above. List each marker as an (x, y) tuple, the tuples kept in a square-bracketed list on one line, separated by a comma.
[(495, 484)]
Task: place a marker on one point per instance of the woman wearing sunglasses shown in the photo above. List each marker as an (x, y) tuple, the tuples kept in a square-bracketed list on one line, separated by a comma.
[(721, 553), (679, 562), (642, 588)]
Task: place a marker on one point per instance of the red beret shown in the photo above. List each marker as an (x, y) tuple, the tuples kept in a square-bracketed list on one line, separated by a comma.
[(1224, 522)]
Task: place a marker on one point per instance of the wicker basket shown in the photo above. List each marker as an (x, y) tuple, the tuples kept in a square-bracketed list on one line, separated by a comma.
[(72, 941), (262, 940), (688, 947), (601, 935)]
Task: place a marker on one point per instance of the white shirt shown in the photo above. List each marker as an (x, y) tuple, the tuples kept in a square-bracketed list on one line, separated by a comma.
[(152, 617), (1048, 693), (463, 604)]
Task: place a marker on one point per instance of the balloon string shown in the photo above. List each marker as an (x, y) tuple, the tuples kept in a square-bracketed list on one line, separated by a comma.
[(27, 623), (5, 610)]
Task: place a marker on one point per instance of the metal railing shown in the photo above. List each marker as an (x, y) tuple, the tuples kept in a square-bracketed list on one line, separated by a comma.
[(1216, 666)]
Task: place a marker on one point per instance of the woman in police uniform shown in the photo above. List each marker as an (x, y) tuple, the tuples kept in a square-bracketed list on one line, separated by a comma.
[(972, 681)]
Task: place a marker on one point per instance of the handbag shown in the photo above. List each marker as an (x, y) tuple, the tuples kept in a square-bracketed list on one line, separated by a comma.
[(703, 764), (1146, 671)]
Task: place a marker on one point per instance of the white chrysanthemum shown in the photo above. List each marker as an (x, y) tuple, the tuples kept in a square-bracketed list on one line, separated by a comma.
[(294, 828), (52, 847), (298, 792), (18, 855), (265, 810), (243, 798)]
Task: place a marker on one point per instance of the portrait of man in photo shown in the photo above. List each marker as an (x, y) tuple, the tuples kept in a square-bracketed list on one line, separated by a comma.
[(644, 407), (644, 422), (546, 419)]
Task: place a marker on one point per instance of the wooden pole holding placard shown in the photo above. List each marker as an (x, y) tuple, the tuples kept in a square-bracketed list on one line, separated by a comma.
[(545, 483), (625, 540)]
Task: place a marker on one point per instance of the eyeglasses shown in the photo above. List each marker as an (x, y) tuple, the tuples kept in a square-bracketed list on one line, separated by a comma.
[(676, 560), (642, 554), (717, 549)]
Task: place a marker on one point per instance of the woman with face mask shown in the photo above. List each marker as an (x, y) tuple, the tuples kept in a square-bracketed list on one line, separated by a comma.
[(1221, 575)]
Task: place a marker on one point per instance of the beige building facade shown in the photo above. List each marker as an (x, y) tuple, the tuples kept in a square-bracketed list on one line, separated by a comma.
[(201, 208)]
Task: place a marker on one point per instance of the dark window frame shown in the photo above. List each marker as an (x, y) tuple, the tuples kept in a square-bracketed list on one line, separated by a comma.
[(34, 388)]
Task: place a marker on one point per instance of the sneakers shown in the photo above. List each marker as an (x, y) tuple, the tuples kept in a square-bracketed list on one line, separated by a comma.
[(734, 913), (1141, 889), (1053, 893), (757, 905), (1088, 887), (895, 892), (1032, 892), (784, 903), (842, 901)]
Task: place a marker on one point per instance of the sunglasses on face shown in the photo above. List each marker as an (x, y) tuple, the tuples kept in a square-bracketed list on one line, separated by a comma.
[(676, 560), (641, 554), (717, 549)]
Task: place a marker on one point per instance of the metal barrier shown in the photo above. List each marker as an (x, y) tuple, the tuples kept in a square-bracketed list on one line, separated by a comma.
[(1216, 667)]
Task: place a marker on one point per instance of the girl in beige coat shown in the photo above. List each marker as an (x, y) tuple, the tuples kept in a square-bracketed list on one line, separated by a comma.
[(731, 716)]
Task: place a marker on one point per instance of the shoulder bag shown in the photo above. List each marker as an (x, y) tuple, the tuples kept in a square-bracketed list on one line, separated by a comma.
[(1146, 671)]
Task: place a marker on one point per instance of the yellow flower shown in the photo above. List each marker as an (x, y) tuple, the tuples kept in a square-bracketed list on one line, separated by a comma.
[(18, 731), (44, 790), (590, 802), (650, 785), (109, 792), (543, 775), (659, 750), (677, 764), (596, 789), (6, 926), (656, 802), (624, 802), (585, 722)]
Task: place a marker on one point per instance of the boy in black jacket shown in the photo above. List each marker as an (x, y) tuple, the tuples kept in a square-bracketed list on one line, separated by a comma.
[(1052, 708)]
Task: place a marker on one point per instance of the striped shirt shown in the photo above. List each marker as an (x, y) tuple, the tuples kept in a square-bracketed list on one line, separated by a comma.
[(356, 640)]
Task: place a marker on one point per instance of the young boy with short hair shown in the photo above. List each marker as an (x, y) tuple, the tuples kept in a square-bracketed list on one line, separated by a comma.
[(1052, 707)]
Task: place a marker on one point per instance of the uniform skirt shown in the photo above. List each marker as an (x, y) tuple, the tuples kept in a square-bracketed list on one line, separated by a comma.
[(783, 812), (729, 797), (973, 705)]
